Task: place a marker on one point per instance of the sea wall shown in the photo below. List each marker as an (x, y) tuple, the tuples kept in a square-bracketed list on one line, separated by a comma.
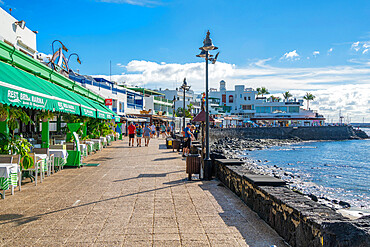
[(304, 133), (299, 220)]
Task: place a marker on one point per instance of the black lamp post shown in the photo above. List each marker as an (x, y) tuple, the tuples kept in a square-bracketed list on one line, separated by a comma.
[(207, 46), (184, 88), (63, 47), (78, 58), (173, 113)]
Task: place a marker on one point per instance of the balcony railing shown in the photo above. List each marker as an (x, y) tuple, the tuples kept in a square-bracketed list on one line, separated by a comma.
[(163, 99), (134, 106)]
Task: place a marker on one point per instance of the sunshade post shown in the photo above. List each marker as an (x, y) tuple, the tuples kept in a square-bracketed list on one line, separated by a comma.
[(45, 134)]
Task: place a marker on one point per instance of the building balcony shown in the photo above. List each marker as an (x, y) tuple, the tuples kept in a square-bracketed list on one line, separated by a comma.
[(134, 106)]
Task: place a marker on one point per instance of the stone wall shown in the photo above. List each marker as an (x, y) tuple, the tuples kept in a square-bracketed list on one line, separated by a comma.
[(299, 220), (304, 133)]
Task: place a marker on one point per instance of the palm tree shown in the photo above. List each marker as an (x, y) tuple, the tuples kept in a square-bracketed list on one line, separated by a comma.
[(287, 95), (308, 97), (262, 91)]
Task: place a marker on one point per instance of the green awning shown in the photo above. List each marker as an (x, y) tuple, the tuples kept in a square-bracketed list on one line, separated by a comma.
[(21, 89), (115, 116), (101, 111)]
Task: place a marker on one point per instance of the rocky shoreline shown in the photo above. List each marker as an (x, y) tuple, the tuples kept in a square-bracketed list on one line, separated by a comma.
[(235, 148)]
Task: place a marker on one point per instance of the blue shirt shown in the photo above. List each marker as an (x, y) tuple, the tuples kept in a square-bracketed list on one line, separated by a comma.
[(186, 130)]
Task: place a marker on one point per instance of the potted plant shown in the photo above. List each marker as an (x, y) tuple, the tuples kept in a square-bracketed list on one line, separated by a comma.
[(22, 147)]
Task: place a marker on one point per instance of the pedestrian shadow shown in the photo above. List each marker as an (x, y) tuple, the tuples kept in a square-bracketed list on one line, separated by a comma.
[(163, 146), (148, 175), (102, 159), (168, 158), (18, 218)]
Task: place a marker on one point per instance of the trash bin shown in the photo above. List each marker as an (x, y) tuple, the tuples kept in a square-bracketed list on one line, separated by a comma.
[(176, 144), (192, 165), (169, 142)]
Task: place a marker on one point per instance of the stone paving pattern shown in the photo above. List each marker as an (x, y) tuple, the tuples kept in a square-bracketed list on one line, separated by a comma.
[(138, 196)]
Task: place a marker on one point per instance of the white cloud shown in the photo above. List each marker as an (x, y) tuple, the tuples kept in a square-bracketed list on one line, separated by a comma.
[(361, 46), (315, 53), (337, 83), (146, 3), (330, 51), (355, 46), (293, 55)]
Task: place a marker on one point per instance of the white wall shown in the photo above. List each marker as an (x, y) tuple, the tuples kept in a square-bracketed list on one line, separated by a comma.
[(14, 34)]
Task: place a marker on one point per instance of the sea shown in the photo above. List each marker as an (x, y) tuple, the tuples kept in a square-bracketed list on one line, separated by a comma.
[(336, 170)]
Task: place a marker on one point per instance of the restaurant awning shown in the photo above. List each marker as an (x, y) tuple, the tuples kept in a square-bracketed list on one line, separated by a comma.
[(21, 89)]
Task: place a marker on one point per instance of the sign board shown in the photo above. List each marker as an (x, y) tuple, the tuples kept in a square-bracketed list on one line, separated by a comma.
[(108, 102)]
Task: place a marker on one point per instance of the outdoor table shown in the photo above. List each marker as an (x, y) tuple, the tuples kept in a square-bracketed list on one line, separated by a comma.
[(60, 157), (8, 176)]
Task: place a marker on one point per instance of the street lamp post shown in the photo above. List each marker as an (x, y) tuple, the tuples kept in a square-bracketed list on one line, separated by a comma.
[(207, 46), (184, 88), (173, 113)]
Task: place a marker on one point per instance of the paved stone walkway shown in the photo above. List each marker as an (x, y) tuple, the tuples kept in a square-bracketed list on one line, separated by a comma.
[(137, 197)]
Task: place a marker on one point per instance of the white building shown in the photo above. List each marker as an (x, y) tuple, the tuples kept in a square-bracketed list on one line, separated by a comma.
[(178, 95), (16, 34), (124, 101), (246, 105)]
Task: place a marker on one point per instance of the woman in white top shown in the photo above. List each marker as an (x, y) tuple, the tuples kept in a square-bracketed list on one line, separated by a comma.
[(152, 134)]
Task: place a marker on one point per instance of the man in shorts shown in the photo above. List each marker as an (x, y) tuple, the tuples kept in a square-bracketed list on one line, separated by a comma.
[(188, 136), (147, 132), (131, 134)]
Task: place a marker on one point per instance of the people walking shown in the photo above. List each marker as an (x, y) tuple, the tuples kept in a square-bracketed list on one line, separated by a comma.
[(157, 129), (187, 140), (131, 134), (153, 130), (139, 135), (147, 133), (163, 130), (168, 129)]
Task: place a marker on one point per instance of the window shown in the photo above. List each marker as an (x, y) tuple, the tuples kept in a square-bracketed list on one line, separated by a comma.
[(245, 98), (231, 99), (293, 108), (241, 96), (247, 107), (249, 97), (224, 98), (263, 109), (279, 109)]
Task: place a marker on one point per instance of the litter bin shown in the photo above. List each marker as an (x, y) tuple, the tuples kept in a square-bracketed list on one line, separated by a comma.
[(192, 164), (176, 144), (169, 143)]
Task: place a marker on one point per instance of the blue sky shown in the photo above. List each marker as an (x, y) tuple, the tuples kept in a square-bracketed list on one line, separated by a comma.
[(283, 45)]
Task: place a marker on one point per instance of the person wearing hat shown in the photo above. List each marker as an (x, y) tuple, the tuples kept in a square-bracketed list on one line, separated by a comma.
[(187, 140)]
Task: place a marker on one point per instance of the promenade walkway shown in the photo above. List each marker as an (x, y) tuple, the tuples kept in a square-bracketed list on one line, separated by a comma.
[(136, 197)]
